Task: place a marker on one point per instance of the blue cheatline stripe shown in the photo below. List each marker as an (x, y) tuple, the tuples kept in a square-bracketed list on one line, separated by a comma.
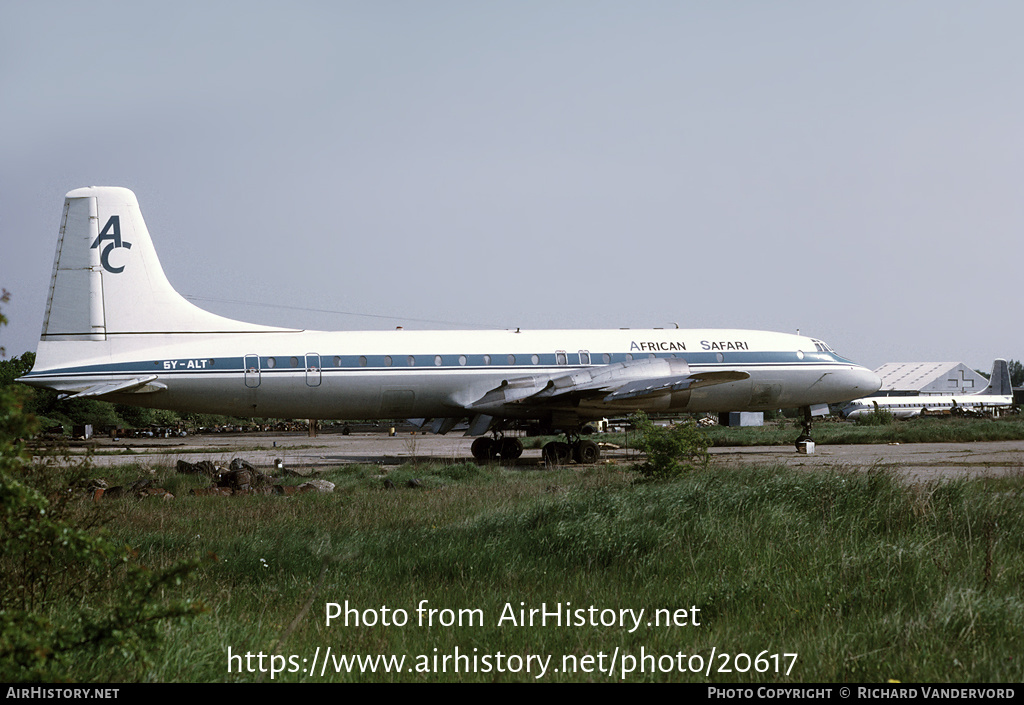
[(522, 362)]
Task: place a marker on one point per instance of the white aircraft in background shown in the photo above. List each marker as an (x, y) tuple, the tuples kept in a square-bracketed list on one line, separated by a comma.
[(116, 329), (997, 396)]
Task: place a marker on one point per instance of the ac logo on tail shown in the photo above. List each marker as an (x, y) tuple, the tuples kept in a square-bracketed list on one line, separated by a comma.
[(111, 231)]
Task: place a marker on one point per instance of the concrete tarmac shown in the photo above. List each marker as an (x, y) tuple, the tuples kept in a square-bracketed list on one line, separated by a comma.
[(918, 462)]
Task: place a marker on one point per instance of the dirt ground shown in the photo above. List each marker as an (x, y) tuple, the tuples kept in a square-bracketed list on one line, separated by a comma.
[(917, 462)]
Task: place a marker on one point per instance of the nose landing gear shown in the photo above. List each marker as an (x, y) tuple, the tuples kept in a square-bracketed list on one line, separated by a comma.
[(809, 412)]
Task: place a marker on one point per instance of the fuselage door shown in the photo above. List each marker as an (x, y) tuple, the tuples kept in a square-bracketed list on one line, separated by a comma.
[(252, 371), (313, 369)]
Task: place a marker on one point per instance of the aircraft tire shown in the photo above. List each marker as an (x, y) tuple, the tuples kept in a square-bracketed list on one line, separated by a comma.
[(556, 453), (484, 449), (586, 452), (510, 448)]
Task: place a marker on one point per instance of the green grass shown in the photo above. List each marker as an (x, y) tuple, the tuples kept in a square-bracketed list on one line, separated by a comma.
[(861, 576), (926, 430), (836, 432)]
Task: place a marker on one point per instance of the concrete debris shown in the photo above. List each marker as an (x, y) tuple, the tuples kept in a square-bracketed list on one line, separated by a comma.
[(244, 480), (282, 471), (239, 478), (239, 464), (140, 490), (203, 467), (322, 486)]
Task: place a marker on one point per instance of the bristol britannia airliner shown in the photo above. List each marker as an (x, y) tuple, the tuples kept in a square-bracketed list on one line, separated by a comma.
[(116, 329)]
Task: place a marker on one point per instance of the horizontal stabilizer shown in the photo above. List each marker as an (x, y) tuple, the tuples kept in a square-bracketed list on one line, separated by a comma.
[(128, 385)]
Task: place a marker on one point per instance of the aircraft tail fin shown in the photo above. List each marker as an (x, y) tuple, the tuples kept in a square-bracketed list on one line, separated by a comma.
[(107, 280), (999, 382)]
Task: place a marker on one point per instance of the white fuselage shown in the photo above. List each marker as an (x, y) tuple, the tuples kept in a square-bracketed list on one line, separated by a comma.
[(911, 406), (364, 375)]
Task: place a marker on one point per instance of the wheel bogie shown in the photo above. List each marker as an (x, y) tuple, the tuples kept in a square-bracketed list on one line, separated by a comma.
[(487, 449)]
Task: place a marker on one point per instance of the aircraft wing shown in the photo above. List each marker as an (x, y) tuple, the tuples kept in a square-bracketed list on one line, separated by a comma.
[(644, 388), (634, 379)]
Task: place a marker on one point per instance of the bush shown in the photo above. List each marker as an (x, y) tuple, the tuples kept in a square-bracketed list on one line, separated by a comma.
[(670, 451), (878, 417), (67, 589)]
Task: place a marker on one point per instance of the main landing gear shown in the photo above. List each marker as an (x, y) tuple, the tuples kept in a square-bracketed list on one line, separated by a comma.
[(488, 449), (560, 453), (583, 452)]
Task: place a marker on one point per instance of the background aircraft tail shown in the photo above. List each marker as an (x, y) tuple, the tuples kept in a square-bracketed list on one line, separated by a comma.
[(107, 280), (999, 383)]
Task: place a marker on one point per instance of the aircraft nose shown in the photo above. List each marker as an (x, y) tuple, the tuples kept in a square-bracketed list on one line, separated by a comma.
[(852, 383), (863, 381)]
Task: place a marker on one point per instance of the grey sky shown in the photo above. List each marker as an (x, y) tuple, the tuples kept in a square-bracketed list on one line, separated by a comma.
[(854, 170)]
